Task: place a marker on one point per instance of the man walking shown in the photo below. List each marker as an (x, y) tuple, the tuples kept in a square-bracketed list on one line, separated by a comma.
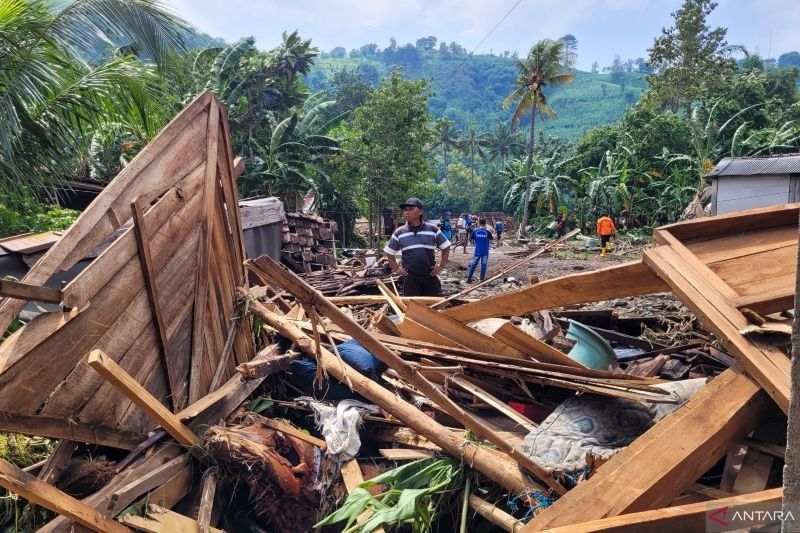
[(498, 228), (417, 241), (605, 230), (481, 237)]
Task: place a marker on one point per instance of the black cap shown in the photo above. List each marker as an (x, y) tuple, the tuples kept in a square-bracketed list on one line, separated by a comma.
[(413, 202)]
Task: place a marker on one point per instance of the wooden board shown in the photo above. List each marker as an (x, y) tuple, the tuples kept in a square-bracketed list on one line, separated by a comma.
[(629, 279), (655, 469), (692, 517)]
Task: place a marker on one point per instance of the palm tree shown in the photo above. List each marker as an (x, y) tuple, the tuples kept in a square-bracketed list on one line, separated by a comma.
[(547, 65), (52, 98), (472, 144), (447, 137), (503, 143)]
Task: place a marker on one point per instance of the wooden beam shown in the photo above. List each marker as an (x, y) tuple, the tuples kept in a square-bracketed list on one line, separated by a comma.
[(34, 490), (501, 470), (513, 266), (285, 427), (141, 397), (692, 517), (654, 470), (768, 365), (60, 428), (145, 258), (532, 347), (496, 516), (395, 301), (370, 299), (28, 292), (307, 294), (267, 366), (629, 279)]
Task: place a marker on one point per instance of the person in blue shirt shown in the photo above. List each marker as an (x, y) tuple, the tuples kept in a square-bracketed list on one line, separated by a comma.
[(481, 238), (498, 227)]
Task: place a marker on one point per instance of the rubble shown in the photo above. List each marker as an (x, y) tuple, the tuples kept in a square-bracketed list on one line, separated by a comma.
[(176, 359)]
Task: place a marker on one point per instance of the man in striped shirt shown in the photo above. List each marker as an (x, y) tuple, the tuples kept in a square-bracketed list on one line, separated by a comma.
[(417, 240)]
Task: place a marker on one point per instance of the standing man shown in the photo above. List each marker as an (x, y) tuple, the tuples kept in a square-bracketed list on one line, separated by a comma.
[(498, 227), (605, 230), (481, 237), (417, 240), (462, 232)]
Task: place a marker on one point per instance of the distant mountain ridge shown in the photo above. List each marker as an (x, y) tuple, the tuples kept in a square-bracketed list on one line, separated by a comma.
[(472, 89)]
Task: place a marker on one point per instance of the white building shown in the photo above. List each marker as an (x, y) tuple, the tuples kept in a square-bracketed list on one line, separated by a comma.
[(740, 183)]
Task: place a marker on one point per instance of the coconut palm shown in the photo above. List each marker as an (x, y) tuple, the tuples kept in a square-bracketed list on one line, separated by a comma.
[(503, 143), (52, 98), (446, 137), (547, 65), (471, 144)]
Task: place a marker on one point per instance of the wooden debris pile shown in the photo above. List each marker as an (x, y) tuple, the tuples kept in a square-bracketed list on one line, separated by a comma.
[(152, 363)]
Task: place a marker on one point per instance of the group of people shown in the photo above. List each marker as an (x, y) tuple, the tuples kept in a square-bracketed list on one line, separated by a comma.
[(418, 241)]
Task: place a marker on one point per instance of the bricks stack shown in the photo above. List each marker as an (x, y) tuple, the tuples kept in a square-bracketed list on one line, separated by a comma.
[(308, 242)]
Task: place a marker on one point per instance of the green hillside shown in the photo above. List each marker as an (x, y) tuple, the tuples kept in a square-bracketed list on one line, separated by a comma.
[(473, 90)]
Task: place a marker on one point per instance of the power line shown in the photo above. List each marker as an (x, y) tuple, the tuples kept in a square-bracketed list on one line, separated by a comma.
[(518, 2)]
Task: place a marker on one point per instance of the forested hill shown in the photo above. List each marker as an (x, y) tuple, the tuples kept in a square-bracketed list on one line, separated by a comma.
[(472, 89)]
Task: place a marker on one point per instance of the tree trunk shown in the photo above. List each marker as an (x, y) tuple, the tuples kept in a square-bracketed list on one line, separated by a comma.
[(523, 230), (369, 222), (444, 151), (791, 470)]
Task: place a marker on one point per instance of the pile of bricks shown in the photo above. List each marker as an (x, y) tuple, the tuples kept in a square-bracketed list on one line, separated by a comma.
[(308, 242)]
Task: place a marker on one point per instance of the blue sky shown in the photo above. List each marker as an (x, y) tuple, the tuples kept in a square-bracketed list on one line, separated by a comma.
[(603, 27)]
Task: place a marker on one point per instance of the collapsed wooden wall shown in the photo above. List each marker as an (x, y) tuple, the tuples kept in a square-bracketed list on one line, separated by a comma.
[(159, 300)]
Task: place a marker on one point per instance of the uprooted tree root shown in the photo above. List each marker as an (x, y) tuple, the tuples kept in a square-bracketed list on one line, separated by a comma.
[(279, 471)]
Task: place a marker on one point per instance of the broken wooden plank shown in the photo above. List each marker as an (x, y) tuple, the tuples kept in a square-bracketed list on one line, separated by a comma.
[(141, 397), (19, 482), (151, 480), (459, 333), (532, 347), (143, 244), (305, 293), (161, 520), (513, 266), (628, 279), (58, 428), (269, 365), (653, 471), (692, 517), (400, 454), (285, 427), (27, 292), (206, 505)]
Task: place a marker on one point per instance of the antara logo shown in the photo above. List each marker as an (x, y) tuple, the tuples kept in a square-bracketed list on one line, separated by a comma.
[(720, 516)]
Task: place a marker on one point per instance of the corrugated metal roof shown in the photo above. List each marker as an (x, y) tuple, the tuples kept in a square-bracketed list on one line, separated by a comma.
[(751, 166)]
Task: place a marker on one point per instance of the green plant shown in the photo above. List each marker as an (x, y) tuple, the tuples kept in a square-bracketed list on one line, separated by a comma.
[(416, 497)]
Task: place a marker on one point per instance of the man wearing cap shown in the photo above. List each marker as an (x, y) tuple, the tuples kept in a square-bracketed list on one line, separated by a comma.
[(417, 240)]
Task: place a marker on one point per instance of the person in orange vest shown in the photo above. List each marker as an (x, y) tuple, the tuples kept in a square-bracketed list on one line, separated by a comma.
[(605, 230)]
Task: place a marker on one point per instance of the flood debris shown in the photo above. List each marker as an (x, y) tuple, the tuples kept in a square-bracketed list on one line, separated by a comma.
[(175, 377)]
